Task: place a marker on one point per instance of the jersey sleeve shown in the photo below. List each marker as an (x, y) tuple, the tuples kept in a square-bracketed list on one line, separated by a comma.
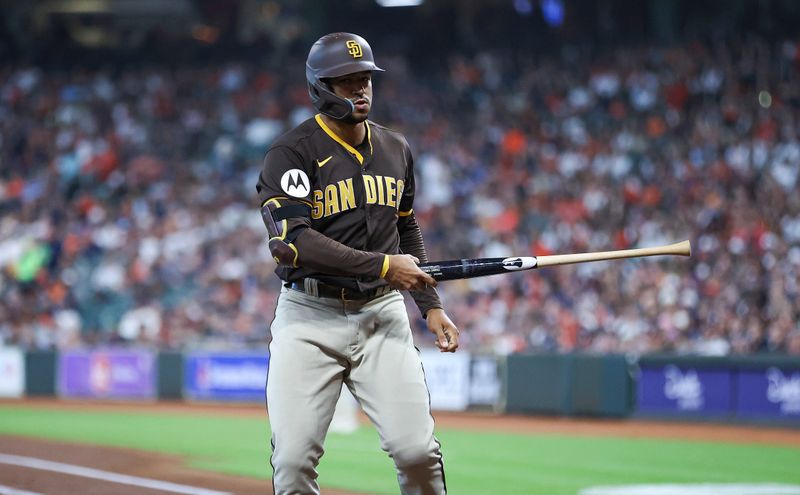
[(284, 175), (286, 181), (323, 254), (411, 241), (409, 189)]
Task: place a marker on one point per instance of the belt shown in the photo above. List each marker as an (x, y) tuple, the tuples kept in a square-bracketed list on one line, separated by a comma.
[(316, 288)]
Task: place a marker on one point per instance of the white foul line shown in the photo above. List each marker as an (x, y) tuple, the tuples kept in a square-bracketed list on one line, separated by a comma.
[(7, 490), (58, 467), (696, 489)]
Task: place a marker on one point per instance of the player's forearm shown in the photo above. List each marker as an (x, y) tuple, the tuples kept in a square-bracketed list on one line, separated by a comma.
[(321, 253), (411, 242)]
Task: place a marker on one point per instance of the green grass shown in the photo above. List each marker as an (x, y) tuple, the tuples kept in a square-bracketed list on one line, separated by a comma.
[(477, 462)]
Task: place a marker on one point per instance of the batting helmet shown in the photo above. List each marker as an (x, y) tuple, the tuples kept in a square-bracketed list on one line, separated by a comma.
[(334, 55)]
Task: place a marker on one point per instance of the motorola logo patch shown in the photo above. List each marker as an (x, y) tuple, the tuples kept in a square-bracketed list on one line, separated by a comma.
[(295, 183)]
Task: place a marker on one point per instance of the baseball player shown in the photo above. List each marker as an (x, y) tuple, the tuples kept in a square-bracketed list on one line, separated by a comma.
[(336, 196)]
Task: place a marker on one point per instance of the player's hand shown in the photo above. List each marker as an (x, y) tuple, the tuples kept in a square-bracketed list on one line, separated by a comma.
[(445, 330), (404, 274)]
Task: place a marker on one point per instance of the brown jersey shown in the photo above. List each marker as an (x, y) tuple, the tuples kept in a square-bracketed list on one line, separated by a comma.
[(358, 205)]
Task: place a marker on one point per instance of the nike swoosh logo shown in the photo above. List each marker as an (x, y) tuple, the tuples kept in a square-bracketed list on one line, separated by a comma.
[(323, 162)]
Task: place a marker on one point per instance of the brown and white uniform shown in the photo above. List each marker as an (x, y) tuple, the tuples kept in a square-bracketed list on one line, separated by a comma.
[(343, 210)]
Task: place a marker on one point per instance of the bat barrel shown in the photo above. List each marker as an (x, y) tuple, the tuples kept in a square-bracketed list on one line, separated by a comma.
[(682, 248)]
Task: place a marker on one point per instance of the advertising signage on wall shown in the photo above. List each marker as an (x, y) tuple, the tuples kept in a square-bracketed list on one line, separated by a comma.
[(447, 376), (484, 381), (674, 390), (110, 373), (12, 372), (771, 392), (226, 377), (747, 389)]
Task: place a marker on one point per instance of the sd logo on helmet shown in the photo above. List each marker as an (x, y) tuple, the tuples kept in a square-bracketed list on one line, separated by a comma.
[(335, 55)]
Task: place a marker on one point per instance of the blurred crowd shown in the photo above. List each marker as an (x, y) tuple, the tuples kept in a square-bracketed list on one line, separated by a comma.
[(128, 211)]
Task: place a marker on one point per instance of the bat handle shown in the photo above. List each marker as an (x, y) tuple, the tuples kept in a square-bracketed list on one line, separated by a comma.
[(470, 268), (435, 271)]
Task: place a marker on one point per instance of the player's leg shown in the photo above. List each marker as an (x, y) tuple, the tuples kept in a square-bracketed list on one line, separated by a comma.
[(305, 378), (388, 381), (345, 417)]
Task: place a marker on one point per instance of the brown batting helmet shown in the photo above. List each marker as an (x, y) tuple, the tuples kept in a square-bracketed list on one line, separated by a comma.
[(334, 55)]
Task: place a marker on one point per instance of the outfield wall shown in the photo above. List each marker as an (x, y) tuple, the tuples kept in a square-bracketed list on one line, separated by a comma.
[(12, 372), (743, 389), (746, 388)]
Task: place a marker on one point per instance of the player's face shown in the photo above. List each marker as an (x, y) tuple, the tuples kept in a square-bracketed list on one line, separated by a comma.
[(357, 88)]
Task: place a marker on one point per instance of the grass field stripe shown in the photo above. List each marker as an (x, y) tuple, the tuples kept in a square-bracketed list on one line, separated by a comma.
[(58, 467), (696, 489), (7, 490)]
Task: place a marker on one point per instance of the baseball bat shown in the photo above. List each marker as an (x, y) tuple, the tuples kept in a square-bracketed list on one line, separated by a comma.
[(480, 267)]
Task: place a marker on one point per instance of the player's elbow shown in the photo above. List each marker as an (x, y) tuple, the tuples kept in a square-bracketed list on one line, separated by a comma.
[(284, 253)]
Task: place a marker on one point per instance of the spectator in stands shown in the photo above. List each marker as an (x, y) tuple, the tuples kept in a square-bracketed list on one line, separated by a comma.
[(124, 217)]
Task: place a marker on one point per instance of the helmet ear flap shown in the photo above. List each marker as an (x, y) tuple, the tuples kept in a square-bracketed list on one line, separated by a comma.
[(327, 102), (313, 92), (333, 55)]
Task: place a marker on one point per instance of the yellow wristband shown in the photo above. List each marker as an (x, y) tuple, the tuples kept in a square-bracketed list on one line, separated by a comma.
[(385, 267)]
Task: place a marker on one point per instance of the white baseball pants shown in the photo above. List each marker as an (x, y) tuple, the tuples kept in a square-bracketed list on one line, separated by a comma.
[(319, 344)]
